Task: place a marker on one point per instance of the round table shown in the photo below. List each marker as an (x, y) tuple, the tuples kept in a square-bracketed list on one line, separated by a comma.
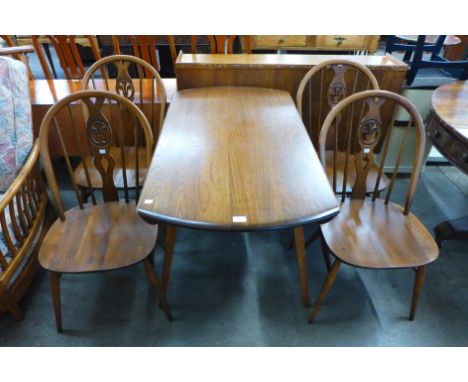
[(431, 39), (448, 131)]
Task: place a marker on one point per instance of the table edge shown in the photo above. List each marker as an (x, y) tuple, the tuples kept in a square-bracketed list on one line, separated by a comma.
[(155, 218)]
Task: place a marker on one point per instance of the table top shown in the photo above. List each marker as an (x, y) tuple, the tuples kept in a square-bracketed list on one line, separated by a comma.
[(235, 158), (300, 61), (450, 106), (431, 39), (48, 92)]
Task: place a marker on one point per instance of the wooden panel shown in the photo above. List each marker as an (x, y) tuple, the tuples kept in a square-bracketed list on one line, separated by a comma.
[(278, 42), (367, 43), (235, 158), (276, 71), (45, 93)]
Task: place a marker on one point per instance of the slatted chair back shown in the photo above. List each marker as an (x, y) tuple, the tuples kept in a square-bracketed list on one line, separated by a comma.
[(131, 82), (368, 131), (67, 52), (219, 44), (145, 47), (100, 129), (324, 86), (22, 210)]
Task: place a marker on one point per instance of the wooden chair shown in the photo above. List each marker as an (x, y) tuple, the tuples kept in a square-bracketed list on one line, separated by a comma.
[(370, 232), (220, 44), (142, 89), (144, 47), (101, 235), (321, 89), (67, 52)]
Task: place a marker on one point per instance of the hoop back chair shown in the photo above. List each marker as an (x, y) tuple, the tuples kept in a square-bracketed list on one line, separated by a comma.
[(67, 52), (369, 231), (145, 47), (143, 90), (321, 89), (105, 234)]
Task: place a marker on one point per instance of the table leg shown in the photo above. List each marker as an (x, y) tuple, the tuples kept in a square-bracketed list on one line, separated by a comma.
[(168, 253), (302, 264), (456, 229)]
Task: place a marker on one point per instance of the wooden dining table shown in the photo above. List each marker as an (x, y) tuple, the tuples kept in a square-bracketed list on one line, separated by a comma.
[(236, 159)]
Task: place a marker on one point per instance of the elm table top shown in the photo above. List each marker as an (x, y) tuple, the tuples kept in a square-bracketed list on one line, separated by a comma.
[(235, 158)]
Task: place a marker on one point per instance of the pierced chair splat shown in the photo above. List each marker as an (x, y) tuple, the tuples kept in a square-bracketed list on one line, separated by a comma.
[(140, 83)]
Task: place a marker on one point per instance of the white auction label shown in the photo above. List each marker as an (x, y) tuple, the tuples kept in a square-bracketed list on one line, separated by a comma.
[(148, 201), (239, 219)]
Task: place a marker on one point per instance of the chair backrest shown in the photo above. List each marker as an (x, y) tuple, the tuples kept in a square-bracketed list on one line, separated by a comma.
[(144, 47), (95, 132), (367, 133), (136, 80), (66, 48), (324, 86), (219, 44)]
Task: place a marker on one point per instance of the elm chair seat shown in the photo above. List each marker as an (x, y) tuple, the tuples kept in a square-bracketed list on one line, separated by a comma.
[(372, 234), (105, 237)]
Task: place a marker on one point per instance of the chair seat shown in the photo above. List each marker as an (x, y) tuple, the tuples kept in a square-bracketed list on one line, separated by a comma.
[(97, 238), (130, 165), (374, 235), (351, 179)]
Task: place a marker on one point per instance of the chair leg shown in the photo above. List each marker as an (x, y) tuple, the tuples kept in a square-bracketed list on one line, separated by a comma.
[(302, 264), (10, 304), (325, 252), (325, 288), (169, 251), (55, 288), (313, 237), (154, 281), (418, 283)]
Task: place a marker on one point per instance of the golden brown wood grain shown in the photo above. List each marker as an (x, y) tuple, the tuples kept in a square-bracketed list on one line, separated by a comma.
[(102, 237), (448, 122), (374, 235), (235, 151), (282, 71)]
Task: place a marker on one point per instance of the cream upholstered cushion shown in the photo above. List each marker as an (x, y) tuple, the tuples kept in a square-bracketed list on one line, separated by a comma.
[(16, 136)]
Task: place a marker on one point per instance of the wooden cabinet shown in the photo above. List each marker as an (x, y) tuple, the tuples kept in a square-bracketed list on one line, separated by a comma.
[(366, 43)]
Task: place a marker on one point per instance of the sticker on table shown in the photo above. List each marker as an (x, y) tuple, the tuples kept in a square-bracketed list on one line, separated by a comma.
[(239, 219), (148, 201)]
